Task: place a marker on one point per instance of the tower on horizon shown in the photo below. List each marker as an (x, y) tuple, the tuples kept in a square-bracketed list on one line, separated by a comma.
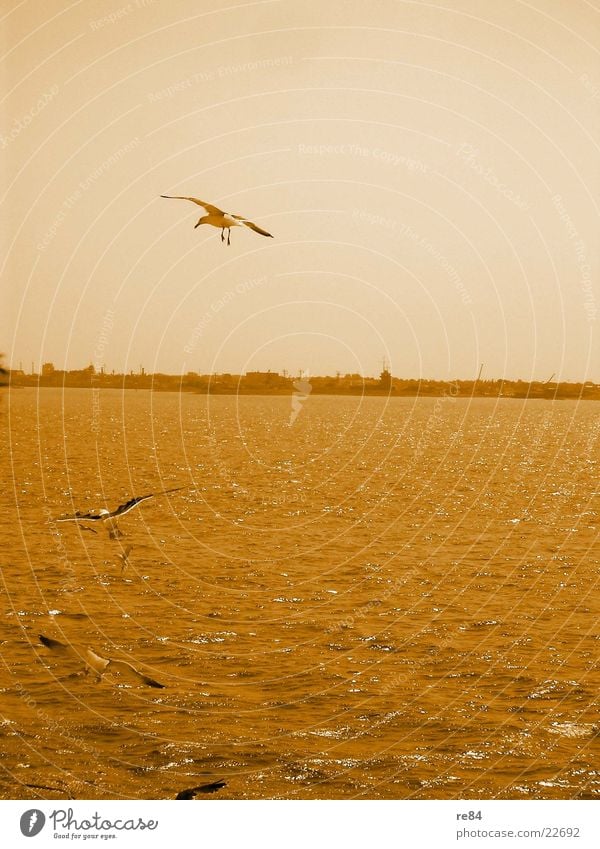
[(385, 378)]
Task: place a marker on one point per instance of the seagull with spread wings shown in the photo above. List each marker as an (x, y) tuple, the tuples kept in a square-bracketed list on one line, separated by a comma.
[(222, 220), (111, 516), (96, 663)]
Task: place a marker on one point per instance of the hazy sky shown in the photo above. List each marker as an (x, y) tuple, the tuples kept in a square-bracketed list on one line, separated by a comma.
[(430, 172)]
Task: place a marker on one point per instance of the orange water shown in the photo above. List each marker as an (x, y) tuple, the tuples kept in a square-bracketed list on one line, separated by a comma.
[(383, 599)]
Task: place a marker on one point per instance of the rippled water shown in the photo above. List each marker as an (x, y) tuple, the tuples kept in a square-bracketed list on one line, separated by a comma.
[(386, 599)]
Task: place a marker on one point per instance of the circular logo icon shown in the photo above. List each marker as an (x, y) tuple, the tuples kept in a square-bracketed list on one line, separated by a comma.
[(32, 822)]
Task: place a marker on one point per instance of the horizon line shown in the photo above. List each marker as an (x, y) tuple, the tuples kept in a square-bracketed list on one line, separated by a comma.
[(284, 375)]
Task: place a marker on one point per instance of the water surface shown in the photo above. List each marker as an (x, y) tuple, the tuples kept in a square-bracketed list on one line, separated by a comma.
[(388, 598)]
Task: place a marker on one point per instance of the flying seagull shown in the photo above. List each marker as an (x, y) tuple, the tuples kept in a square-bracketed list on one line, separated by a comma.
[(111, 516), (222, 220), (98, 664), (191, 792)]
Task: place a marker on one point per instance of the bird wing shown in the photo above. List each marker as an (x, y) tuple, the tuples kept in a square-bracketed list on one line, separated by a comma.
[(62, 790), (258, 229), (252, 226), (66, 651), (85, 517), (133, 502), (130, 672), (212, 210), (129, 505), (103, 515), (57, 646), (168, 491), (203, 788)]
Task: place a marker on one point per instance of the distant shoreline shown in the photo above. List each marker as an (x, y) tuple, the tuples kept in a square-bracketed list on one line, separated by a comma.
[(306, 387)]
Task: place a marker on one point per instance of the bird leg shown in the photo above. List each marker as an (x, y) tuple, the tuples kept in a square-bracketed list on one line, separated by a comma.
[(115, 532), (228, 235), (222, 236)]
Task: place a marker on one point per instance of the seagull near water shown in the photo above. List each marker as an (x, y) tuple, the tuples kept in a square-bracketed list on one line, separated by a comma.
[(98, 664), (111, 516), (218, 218)]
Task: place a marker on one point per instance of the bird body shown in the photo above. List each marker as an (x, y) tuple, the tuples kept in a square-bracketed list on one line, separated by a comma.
[(98, 664), (217, 218)]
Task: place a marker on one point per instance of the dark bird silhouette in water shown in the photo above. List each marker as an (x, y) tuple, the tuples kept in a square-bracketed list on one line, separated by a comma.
[(62, 790), (223, 220), (100, 665), (111, 516), (192, 792)]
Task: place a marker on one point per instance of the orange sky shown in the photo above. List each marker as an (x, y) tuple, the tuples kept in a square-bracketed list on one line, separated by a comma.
[(430, 173)]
